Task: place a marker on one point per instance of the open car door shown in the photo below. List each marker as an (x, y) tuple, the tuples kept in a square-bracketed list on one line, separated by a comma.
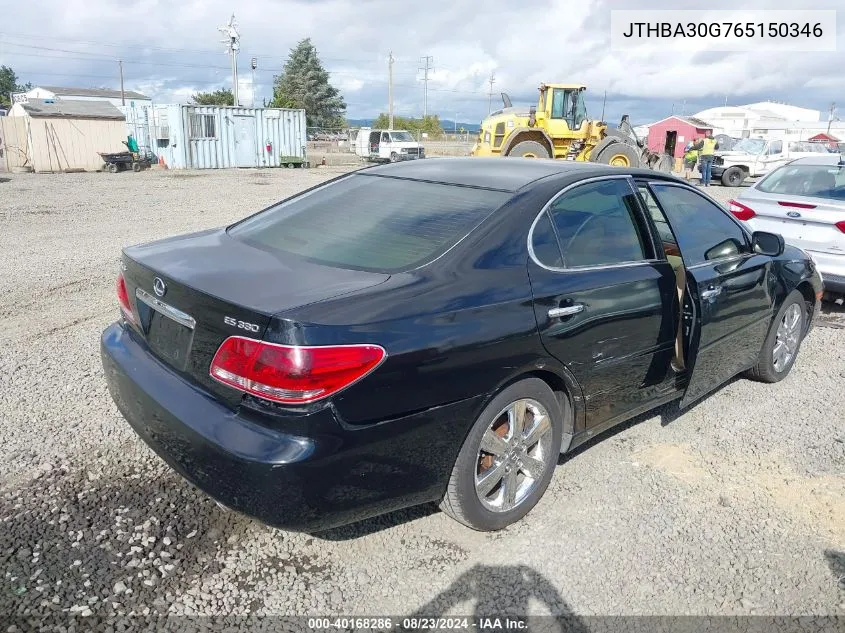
[(727, 303)]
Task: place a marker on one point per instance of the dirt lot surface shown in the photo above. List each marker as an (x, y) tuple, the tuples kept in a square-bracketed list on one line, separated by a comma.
[(737, 506)]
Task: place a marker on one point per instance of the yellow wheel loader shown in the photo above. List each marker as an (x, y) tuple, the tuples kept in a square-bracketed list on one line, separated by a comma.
[(558, 127)]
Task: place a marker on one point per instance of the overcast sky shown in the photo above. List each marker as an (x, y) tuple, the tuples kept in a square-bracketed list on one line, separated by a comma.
[(171, 50)]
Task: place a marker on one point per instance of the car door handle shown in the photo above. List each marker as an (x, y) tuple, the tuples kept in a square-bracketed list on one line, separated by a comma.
[(712, 291), (556, 313)]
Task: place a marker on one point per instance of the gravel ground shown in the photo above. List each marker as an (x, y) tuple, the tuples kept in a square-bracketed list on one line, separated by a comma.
[(735, 507)]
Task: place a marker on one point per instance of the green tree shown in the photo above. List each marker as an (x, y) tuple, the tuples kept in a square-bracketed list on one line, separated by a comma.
[(222, 97), (9, 84), (304, 84), (429, 124)]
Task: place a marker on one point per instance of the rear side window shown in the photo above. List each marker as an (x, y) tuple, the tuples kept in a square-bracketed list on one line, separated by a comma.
[(597, 224), (371, 223), (818, 181)]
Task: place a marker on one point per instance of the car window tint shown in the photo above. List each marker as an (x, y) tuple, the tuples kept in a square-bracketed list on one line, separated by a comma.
[(371, 222), (597, 224), (704, 231), (664, 230), (818, 181), (545, 244)]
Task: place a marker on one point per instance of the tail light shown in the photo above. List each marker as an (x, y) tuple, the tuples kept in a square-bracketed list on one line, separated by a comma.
[(292, 374), (740, 211), (123, 299), (797, 205), (841, 226)]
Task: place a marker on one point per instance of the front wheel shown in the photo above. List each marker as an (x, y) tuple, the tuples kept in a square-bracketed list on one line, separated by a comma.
[(733, 177), (508, 458), (619, 155), (529, 149), (783, 342)]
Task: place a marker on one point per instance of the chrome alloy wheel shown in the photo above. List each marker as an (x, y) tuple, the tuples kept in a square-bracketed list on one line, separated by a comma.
[(788, 337), (514, 455)]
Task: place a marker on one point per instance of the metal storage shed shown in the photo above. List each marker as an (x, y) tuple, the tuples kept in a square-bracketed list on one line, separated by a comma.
[(213, 137), (66, 134)]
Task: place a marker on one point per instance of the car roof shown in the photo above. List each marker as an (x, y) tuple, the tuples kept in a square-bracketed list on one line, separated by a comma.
[(504, 174), (820, 159)]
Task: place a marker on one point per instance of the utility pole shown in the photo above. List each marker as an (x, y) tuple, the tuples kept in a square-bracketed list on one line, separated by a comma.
[(390, 91), (603, 104), (428, 60), (233, 45), (122, 94), (830, 116), (490, 97), (254, 65)]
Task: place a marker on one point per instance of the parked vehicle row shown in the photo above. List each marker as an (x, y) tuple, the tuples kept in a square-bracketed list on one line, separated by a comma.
[(756, 157), (441, 330)]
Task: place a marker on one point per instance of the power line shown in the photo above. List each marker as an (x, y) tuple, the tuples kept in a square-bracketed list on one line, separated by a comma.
[(428, 60), (145, 46)]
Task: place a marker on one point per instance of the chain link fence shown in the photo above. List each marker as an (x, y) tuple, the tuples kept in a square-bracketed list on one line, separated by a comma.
[(336, 146)]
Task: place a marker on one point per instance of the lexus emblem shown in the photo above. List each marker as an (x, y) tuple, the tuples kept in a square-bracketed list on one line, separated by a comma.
[(793, 214), (159, 286)]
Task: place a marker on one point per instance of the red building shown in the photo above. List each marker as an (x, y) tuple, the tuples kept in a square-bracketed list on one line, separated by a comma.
[(831, 141), (671, 134)]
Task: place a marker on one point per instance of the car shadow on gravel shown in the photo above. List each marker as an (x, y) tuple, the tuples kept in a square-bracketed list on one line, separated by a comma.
[(836, 562), (504, 592), (110, 543), (668, 414), (377, 524)]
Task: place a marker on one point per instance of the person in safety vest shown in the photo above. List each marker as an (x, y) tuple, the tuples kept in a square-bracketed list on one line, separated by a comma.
[(706, 147), (690, 159)]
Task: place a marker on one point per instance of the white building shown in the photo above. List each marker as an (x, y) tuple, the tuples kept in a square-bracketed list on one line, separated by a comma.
[(785, 111), (766, 118), (49, 93)]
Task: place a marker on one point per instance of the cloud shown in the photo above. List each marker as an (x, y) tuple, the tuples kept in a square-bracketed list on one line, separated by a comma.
[(172, 50)]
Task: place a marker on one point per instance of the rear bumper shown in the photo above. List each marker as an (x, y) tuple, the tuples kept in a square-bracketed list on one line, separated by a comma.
[(831, 268), (324, 475)]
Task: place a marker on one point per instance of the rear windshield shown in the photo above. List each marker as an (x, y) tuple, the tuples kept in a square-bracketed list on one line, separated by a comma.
[(371, 223), (817, 181)]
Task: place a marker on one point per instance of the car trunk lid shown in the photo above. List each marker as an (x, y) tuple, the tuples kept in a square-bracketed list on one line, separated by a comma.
[(190, 293), (806, 222)]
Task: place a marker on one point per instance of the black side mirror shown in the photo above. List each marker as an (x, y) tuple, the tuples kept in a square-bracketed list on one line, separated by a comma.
[(765, 243)]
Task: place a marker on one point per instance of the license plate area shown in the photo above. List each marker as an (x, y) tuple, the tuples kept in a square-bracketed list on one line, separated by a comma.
[(168, 330)]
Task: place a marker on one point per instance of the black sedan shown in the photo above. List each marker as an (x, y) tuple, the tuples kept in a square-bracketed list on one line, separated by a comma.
[(440, 330)]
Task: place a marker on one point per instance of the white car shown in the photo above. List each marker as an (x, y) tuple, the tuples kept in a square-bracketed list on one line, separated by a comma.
[(756, 157), (804, 201)]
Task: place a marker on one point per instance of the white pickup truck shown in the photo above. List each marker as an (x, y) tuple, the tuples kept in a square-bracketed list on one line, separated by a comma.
[(756, 157)]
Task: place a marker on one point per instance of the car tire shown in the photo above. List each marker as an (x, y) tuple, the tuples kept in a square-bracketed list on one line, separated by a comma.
[(529, 149), (768, 369), (510, 470), (733, 177), (394, 157)]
